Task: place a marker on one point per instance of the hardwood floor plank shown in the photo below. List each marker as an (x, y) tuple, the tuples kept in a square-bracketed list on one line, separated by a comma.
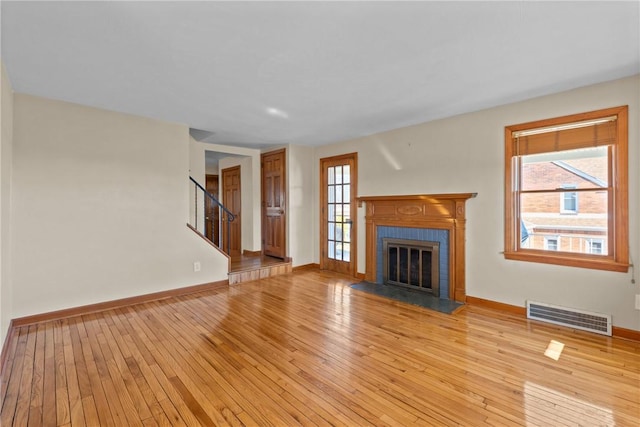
[(37, 384), (193, 404), (306, 349), (264, 385), (63, 411), (168, 412), (176, 400), (14, 374), (98, 397), (115, 415), (116, 382), (49, 383), (131, 396), (82, 375), (364, 400), (334, 411), (194, 359), (21, 416), (138, 361), (262, 347), (337, 376), (90, 411), (71, 366), (87, 405), (158, 377), (6, 370)]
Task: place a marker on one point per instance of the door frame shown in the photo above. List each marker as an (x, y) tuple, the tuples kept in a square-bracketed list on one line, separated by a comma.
[(263, 210), (224, 202), (215, 225), (353, 267)]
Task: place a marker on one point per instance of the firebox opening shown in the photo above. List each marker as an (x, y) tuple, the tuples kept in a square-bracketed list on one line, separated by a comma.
[(412, 263)]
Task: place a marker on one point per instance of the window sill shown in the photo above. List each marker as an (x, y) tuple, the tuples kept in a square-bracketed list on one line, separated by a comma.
[(568, 260)]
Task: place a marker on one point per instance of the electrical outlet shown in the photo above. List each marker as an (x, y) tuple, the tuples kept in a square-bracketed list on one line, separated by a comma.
[(637, 301), (196, 266)]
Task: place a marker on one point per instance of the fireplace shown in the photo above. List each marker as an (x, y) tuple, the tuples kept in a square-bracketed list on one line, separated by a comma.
[(412, 263), (436, 218)]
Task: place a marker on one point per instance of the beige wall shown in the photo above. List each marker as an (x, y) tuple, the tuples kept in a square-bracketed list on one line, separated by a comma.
[(196, 161), (100, 206), (6, 144), (197, 172), (301, 212), (465, 154), (212, 170)]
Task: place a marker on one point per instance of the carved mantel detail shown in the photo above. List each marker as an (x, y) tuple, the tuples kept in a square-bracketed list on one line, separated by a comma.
[(435, 211)]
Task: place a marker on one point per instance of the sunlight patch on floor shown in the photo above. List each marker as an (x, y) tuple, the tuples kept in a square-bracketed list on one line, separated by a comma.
[(545, 406), (554, 350), (342, 302)]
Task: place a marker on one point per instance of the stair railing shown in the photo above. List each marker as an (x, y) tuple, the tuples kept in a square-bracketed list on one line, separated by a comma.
[(200, 209)]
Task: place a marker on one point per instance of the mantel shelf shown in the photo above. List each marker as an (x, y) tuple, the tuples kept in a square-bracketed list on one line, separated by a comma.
[(416, 197)]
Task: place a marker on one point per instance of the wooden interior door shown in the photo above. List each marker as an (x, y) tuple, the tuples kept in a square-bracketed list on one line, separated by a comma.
[(231, 196), (339, 182), (212, 211), (274, 204)]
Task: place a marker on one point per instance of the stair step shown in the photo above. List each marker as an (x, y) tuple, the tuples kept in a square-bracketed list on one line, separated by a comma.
[(262, 272)]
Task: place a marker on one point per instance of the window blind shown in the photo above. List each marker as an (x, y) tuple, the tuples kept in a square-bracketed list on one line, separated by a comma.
[(568, 137)]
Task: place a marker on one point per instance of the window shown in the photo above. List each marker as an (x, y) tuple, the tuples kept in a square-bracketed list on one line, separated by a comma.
[(552, 164), (339, 220), (569, 200), (595, 246), (551, 243)]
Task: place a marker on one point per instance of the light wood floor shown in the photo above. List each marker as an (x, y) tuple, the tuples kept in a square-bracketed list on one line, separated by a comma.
[(306, 349)]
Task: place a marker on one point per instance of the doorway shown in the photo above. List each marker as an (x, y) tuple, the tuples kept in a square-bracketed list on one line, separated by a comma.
[(339, 182), (231, 199), (274, 201), (212, 211)]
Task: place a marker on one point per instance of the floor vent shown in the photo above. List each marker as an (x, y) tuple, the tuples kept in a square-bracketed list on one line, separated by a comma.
[(578, 319)]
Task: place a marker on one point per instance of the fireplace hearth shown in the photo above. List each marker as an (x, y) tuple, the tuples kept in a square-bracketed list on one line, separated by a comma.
[(412, 263)]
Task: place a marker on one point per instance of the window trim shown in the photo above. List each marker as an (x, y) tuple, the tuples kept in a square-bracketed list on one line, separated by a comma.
[(618, 226)]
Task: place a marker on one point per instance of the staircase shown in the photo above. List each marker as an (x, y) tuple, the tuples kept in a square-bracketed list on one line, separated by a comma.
[(243, 268)]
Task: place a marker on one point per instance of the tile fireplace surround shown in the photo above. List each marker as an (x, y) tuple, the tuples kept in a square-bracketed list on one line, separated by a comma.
[(428, 211)]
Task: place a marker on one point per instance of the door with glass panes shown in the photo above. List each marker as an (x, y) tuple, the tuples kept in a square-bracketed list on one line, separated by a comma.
[(338, 212)]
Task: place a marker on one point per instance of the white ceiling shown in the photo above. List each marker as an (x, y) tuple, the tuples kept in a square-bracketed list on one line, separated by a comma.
[(263, 73)]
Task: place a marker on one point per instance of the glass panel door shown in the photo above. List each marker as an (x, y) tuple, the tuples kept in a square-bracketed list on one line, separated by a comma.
[(338, 212)]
